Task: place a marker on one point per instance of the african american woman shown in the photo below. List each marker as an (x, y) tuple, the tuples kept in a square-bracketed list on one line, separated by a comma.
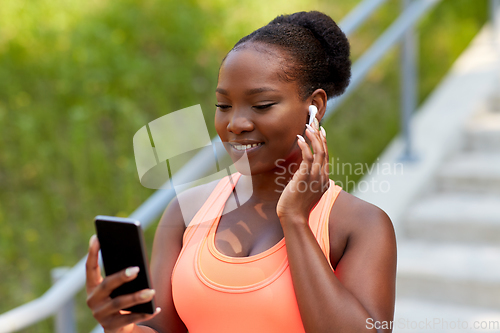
[(301, 254)]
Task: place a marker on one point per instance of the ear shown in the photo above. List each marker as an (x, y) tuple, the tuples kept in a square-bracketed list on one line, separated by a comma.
[(319, 99)]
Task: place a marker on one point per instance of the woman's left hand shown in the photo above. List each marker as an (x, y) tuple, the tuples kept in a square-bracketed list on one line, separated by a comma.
[(310, 181)]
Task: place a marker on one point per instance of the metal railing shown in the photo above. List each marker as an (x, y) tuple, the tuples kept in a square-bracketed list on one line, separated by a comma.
[(495, 14), (65, 288)]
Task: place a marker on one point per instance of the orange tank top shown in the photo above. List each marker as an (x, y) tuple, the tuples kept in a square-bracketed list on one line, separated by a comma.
[(215, 293)]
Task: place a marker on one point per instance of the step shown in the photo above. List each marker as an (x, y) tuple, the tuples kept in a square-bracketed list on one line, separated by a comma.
[(455, 217), (482, 132), (483, 140), (472, 171), (456, 273), (413, 315)]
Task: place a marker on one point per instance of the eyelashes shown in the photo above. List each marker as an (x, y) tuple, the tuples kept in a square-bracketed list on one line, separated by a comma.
[(258, 107), (222, 107), (263, 107)]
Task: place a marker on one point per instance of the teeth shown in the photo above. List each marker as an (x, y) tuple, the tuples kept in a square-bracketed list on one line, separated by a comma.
[(244, 147)]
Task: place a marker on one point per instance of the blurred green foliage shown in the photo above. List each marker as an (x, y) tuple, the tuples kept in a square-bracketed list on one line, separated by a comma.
[(79, 78)]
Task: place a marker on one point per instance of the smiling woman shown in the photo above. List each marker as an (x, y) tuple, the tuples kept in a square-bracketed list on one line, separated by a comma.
[(297, 256)]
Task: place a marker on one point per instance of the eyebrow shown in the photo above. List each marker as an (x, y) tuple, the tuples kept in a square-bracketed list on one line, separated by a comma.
[(248, 92)]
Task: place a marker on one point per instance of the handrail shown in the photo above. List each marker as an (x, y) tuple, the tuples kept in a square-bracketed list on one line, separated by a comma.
[(351, 22), (65, 289), (380, 47), (495, 14)]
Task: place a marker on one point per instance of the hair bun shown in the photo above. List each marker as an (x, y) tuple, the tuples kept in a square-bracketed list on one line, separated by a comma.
[(333, 40), (317, 51)]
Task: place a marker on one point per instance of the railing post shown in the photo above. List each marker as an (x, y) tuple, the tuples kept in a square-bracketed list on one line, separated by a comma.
[(408, 84), (65, 316), (495, 15), (495, 26)]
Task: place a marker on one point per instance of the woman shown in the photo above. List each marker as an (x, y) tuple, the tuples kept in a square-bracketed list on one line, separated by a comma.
[(337, 270)]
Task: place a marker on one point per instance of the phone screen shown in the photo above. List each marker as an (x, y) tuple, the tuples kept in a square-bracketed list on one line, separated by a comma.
[(122, 246)]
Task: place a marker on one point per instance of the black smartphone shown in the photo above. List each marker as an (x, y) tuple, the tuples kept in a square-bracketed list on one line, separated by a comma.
[(122, 246)]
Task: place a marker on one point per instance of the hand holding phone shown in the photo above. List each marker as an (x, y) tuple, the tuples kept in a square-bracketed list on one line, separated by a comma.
[(104, 297), (122, 247)]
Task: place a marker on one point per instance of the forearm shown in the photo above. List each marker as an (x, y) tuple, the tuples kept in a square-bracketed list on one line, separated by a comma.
[(138, 329), (143, 329), (324, 303)]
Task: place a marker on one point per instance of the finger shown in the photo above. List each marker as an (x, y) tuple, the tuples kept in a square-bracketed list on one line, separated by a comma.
[(119, 321), (319, 152), (93, 271), (327, 155), (102, 292), (324, 170), (126, 301), (113, 281), (307, 156), (327, 159)]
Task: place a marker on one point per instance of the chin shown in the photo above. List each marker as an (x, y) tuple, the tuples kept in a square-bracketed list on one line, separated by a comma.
[(247, 169)]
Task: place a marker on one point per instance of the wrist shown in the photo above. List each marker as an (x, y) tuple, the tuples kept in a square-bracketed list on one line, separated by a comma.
[(293, 220), (130, 328)]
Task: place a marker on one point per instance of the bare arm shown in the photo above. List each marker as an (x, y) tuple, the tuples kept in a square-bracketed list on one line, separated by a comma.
[(166, 248), (362, 289)]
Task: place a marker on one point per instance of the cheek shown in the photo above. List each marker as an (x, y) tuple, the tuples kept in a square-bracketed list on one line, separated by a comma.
[(284, 130), (290, 123), (219, 124)]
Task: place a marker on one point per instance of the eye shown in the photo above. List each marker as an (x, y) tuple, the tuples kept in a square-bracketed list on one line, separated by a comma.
[(223, 107), (263, 107)]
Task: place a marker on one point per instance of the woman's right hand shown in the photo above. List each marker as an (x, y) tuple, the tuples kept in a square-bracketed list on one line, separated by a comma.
[(106, 310)]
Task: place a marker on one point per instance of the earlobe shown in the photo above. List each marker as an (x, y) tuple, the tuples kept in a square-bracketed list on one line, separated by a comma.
[(319, 99)]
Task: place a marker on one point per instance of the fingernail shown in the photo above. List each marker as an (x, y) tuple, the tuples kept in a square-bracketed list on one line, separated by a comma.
[(92, 240), (316, 123), (323, 131), (131, 271), (309, 127), (301, 138), (147, 293)]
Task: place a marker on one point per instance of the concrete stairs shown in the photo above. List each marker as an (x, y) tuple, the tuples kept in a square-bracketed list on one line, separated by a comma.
[(449, 252)]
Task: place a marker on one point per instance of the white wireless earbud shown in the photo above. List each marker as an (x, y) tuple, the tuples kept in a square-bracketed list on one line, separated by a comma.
[(312, 113)]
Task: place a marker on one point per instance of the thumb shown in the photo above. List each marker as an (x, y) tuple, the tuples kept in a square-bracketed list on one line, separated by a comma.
[(93, 271)]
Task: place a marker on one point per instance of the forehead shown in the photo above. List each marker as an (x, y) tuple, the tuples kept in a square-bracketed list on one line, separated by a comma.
[(253, 65)]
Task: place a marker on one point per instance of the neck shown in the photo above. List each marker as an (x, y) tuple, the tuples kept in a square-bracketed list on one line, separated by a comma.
[(266, 187)]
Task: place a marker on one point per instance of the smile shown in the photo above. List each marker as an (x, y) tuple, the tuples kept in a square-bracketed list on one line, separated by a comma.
[(247, 148)]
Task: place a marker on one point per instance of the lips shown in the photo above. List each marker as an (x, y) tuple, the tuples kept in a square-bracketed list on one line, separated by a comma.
[(248, 148), (241, 147)]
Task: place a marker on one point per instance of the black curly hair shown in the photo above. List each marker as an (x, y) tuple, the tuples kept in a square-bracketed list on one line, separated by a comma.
[(318, 51)]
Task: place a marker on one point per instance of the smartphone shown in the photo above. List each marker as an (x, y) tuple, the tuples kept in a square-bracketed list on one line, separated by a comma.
[(122, 246)]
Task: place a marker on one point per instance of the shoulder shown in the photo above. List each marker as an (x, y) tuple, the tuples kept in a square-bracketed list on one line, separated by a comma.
[(184, 206), (355, 224), (358, 216), (167, 247)]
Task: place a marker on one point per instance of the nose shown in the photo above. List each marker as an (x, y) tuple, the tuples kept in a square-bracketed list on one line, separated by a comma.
[(239, 122)]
